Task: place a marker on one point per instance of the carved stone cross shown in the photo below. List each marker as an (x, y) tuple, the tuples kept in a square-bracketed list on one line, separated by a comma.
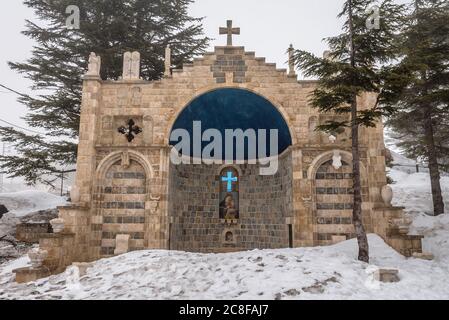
[(130, 131), (229, 30)]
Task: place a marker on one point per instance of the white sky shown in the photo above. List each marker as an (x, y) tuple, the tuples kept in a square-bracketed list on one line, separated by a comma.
[(267, 27)]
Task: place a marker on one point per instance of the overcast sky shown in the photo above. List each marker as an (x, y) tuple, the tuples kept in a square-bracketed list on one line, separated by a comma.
[(267, 27)]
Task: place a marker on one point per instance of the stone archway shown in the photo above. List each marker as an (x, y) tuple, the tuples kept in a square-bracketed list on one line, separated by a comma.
[(332, 197), (264, 202), (121, 192)]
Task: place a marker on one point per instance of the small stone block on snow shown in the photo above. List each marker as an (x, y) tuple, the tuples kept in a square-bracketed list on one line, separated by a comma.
[(387, 275), (423, 255)]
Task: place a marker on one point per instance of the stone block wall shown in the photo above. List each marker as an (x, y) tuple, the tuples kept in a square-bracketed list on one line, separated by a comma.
[(181, 208), (31, 232), (61, 250), (384, 225), (265, 207)]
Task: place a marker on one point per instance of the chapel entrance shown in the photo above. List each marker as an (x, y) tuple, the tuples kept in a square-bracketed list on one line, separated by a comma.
[(122, 207), (222, 207)]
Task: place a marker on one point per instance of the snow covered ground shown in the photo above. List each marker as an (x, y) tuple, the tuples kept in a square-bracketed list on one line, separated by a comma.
[(304, 273), (23, 204)]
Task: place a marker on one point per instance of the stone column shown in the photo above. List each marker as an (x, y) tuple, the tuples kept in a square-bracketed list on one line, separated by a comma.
[(86, 162), (373, 157), (302, 203)]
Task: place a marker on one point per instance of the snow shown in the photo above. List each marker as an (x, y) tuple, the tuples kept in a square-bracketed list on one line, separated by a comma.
[(304, 273), (413, 191), (331, 272), (25, 202)]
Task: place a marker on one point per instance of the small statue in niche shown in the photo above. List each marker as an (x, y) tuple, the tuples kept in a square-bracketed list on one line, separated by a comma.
[(227, 208), (229, 237), (125, 160)]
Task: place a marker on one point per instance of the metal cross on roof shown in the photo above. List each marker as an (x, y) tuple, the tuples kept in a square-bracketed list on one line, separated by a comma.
[(229, 31)]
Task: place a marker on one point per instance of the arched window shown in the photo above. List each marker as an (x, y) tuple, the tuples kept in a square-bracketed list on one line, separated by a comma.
[(229, 194)]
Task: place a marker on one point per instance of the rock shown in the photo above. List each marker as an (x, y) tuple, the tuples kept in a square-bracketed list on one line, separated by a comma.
[(317, 288), (387, 275), (3, 210), (292, 292), (423, 255), (41, 216)]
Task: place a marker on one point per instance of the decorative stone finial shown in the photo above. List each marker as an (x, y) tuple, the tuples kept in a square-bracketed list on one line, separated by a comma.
[(37, 257), (57, 225), (291, 61), (336, 160), (131, 66), (229, 31), (167, 72), (387, 195), (94, 65), (75, 194)]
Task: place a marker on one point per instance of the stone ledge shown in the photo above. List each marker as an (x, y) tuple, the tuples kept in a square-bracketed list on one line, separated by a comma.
[(75, 206), (57, 235), (27, 274), (383, 208), (423, 255), (91, 77)]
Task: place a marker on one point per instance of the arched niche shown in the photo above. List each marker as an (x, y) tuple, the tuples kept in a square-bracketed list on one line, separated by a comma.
[(231, 108), (123, 156)]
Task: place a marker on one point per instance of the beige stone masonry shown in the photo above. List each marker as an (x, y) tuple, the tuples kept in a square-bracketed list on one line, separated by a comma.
[(131, 197)]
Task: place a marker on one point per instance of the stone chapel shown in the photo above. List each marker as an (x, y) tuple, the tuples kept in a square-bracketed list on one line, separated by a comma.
[(128, 195)]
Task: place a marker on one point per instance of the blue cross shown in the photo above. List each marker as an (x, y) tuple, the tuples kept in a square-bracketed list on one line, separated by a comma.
[(229, 179)]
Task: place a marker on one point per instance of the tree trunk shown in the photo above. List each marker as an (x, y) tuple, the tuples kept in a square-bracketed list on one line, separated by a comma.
[(434, 170), (362, 240), (357, 209)]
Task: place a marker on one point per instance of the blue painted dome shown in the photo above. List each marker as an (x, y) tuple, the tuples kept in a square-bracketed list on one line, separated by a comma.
[(230, 108)]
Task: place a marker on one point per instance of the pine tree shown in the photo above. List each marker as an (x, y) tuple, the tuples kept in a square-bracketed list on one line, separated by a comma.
[(60, 58), (354, 66), (422, 120)]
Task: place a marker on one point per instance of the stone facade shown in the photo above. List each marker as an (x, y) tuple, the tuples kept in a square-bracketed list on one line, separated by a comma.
[(130, 192)]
